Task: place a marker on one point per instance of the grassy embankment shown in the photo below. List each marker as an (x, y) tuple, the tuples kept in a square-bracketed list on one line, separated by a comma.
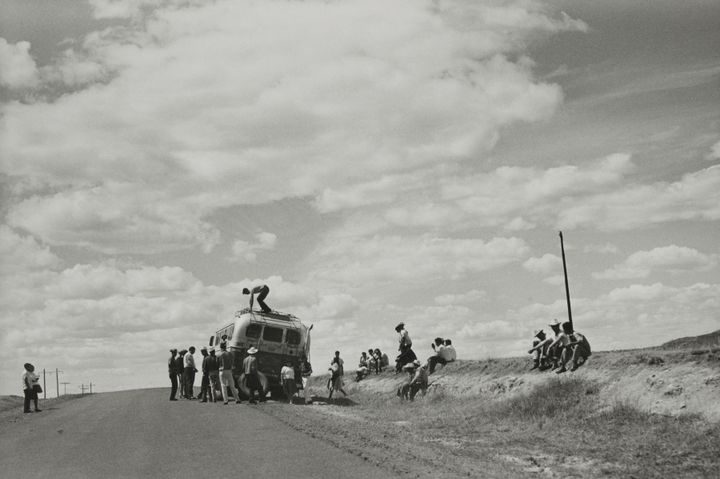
[(643, 413)]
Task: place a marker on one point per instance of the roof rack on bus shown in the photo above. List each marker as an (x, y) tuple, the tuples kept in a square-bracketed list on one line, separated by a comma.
[(272, 314)]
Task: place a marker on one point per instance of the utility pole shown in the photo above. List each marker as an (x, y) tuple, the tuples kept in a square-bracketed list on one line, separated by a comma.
[(567, 289), (90, 387), (44, 386), (57, 380), (64, 388), (82, 389)]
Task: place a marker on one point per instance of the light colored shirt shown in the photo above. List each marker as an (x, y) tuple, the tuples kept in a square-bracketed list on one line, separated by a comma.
[(448, 353), (421, 376), (404, 338), (29, 380), (189, 361), (250, 365), (287, 373)]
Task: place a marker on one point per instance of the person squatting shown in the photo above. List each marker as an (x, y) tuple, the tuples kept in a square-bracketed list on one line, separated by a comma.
[(564, 348)]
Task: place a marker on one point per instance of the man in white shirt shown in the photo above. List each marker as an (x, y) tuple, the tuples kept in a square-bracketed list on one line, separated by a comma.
[(449, 352), (189, 371)]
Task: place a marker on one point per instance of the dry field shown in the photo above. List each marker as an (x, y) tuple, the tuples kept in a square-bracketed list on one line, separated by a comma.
[(644, 413)]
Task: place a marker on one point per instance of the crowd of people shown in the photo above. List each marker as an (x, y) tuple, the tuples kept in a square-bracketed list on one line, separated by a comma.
[(218, 375), (565, 349)]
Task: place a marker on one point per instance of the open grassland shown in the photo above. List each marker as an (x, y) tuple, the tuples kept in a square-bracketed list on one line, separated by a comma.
[(644, 413)]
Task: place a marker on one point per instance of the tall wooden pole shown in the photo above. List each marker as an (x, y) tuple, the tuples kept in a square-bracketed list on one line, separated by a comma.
[(567, 288), (44, 386), (57, 382)]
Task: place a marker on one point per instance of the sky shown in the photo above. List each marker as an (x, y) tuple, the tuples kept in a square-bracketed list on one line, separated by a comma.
[(371, 162)]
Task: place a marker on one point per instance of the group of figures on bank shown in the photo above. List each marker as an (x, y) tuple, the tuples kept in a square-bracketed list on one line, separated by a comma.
[(565, 349), (217, 375)]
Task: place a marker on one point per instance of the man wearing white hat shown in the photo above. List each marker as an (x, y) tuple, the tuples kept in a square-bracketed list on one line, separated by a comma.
[(250, 369)]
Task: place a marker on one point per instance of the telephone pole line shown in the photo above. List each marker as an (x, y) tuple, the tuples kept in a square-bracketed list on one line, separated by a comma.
[(567, 288), (64, 388)]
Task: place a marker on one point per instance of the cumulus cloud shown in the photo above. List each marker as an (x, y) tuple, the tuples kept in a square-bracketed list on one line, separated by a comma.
[(243, 250), (17, 66), (666, 258), (472, 296), (545, 264), (196, 96), (714, 152), (381, 259)]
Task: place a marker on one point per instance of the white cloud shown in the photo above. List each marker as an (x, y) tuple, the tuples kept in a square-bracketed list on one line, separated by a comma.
[(17, 66), (354, 261), (667, 258), (545, 264), (195, 96), (472, 296), (607, 248), (714, 152), (20, 253), (243, 250)]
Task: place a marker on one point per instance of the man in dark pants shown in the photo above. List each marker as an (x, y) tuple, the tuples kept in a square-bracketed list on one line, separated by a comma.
[(252, 381), (262, 292), (205, 384), (180, 370), (189, 373), (172, 372)]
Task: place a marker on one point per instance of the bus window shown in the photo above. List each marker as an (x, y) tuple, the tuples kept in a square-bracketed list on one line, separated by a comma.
[(229, 332), (253, 331), (273, 334), (292, 337)]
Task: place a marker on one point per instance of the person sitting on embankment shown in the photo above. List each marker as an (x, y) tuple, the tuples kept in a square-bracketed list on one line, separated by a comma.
[(578, 348)]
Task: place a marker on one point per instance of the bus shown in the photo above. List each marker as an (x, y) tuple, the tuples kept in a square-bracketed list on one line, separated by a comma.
[(278, 337)]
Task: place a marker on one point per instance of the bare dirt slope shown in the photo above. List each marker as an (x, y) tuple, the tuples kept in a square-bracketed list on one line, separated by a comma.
[(137, 434)]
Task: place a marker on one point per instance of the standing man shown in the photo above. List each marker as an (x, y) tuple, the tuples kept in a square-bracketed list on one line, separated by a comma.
[(213, 373), (305, 373), (262, 292), (180, 370), (172, 372), (225, 364), (205, 382), (252, 381), (189, 370)]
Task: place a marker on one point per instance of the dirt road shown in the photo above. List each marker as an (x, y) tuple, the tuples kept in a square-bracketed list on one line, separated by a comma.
[(137, 434)]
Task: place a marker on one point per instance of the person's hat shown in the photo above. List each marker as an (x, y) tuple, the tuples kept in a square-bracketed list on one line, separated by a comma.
[(252, 350), (416, 362), (203, 348), (173, 350), (399, 326), (183, 351), (538, 332), (212, 351), (555, 323), (29, 367)]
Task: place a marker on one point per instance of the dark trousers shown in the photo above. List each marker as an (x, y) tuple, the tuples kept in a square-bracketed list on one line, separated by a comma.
[(261, 299), (433, 361), (30, 395), (252, 382), (189, 380), (173, 385), (205, 388)]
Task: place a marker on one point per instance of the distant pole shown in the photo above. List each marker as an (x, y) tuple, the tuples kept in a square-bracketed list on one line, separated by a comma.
[(90, 387), (64, 388), (82, 389), (44, 386), (57, 382), (567, 288)]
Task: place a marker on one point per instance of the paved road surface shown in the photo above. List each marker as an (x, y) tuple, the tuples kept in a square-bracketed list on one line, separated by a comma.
[(140, 434)]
